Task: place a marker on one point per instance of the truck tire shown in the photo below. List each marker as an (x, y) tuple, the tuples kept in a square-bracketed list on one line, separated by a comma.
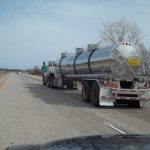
[(44, 83), (86, 92), (134, 104), (94, 94), (49, 78), (51, 82)]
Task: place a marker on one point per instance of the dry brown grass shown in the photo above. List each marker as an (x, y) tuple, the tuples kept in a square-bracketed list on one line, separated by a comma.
[(3, 74)]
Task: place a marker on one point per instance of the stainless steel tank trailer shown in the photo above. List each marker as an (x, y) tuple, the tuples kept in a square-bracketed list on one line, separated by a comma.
[(109, 75)]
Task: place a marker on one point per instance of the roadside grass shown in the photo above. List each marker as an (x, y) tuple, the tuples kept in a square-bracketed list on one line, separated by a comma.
[(3, 73)]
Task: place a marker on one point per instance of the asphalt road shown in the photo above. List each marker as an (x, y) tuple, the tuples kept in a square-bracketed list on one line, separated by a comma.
[(33, 113)]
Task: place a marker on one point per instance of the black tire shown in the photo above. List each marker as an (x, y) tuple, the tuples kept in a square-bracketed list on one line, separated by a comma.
[(51, 81), (44, 83), (49, 78), (86, 92), (134, 104), (94, 94)]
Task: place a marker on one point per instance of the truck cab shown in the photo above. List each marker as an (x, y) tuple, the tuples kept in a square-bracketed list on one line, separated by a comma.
[(52, 77), (51, 67), (47, 68)]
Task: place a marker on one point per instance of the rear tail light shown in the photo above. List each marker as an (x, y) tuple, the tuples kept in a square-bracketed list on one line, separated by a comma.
[(147, 85), (111, 84)]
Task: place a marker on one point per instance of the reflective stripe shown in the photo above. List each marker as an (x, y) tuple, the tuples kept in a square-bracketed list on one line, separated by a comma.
[(108, 97), (123, 98), (130, 90)]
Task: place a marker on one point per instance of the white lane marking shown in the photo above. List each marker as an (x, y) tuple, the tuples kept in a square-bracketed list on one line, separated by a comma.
[(115, 128), (111, 124)]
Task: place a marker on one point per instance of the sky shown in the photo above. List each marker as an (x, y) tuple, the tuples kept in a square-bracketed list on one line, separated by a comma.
[(32, 31)]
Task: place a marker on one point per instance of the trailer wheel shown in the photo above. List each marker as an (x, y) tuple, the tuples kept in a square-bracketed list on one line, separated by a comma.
[(135, 104), (86, 92), (94, 94), (44, 83)]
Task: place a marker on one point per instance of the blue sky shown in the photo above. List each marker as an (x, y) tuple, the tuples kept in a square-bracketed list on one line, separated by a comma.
[(35, 30)]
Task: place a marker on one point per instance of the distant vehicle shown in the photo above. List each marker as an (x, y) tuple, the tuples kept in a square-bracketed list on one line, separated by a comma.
[(109, 75), (113, 142)]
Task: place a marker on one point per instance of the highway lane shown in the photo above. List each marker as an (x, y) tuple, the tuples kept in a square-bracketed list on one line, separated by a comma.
[(32, 113)]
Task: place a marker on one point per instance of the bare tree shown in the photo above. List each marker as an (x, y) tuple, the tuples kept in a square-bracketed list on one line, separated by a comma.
[(124, 31), (145, 54), (35, 71), (119, 31)]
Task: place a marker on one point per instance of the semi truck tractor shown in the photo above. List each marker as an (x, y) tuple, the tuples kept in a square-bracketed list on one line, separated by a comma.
[(109, 75)]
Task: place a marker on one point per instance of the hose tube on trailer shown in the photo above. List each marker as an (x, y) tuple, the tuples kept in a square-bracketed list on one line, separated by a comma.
[(89, 66), (75, 62), (60, 67)]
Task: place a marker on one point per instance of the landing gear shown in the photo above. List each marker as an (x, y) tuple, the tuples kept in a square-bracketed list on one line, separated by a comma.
[(70, 85)]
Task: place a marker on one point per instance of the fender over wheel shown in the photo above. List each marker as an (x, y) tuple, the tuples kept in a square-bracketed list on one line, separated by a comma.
[(70, 85)]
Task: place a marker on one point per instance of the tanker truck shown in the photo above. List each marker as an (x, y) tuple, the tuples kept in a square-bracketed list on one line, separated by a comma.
[(109, 75)]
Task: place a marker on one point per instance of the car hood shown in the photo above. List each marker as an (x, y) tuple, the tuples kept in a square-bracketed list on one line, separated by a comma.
[(102, 142)]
